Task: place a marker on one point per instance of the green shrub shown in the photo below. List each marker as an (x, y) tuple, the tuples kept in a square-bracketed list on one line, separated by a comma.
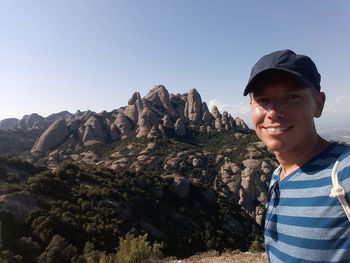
[(137, 249), (256, 246), (9, 257)]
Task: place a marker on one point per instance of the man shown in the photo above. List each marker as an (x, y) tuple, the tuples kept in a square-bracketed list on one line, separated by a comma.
[(307, 210)]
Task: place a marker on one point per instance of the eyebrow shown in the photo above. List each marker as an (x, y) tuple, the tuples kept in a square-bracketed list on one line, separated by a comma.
[(259, 93)]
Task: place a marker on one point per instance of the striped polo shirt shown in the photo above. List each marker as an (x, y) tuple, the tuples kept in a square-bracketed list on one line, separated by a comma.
[(302, 222)]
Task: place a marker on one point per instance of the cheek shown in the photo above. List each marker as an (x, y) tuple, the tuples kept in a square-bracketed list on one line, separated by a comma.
[(258, 114)]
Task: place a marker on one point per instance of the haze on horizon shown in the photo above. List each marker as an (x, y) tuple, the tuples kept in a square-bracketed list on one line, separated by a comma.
[(87, 54)]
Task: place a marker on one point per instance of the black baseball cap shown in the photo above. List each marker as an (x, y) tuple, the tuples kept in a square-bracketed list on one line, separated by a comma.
[(299, 66)]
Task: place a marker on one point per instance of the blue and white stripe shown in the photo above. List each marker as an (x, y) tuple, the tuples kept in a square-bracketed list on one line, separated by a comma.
[(303, 223)]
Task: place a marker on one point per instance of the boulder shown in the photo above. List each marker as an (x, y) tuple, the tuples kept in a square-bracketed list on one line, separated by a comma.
[(193, 107), (94, 133), (54, 135), (89, 158), (241, 124), (218, 124), (216, 113), (231, 177), (167, 122), (134, 107), (224, 118), (147, 120), (180, 127), (124, 125)]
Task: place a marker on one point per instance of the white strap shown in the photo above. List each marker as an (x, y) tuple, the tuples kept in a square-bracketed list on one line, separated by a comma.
[(338, 191)]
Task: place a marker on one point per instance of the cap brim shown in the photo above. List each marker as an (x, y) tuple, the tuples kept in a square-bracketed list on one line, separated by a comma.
[(252, 83)]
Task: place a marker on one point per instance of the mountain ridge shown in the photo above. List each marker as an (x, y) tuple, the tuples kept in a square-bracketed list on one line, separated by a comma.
[(162, 165), (151, 116)]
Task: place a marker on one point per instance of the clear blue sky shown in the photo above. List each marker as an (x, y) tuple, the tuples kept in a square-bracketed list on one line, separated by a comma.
[(93, 54)]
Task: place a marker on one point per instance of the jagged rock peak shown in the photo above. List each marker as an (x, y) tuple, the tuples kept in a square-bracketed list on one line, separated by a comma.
[(159, 96), (207, 117), (215, 112), (136, 96), (32, 121), (55, 116), (241, 124), (193, 107)]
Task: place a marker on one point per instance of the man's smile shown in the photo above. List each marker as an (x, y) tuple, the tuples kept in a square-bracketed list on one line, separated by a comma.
[(277, 130)]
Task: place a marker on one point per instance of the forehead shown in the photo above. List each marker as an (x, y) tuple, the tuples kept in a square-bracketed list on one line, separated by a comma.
[(279, 82), (278, 88)]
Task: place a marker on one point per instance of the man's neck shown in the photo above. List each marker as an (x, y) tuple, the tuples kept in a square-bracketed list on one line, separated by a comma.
[(292, 160)]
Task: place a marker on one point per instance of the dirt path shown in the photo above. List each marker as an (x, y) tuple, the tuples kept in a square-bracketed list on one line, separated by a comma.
[(227, 257)]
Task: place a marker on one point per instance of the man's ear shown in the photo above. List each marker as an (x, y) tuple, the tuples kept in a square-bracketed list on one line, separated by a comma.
[(320, 99)]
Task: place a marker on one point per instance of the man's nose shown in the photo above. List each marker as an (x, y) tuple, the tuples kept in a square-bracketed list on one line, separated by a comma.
[(276, 109)]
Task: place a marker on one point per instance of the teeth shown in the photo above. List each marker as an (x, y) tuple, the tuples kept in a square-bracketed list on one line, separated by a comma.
[(277, 129)]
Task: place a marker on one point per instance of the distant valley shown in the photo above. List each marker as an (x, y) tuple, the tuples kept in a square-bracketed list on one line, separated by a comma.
[(342, 135)]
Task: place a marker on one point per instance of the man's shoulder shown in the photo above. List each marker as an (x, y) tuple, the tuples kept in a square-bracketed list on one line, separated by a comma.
[(344, 151), (344, 163)]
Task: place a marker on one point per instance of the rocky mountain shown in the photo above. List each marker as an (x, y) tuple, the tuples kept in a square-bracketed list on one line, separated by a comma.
[(156, 114), (164, 165), (32, 121), (208, 148)]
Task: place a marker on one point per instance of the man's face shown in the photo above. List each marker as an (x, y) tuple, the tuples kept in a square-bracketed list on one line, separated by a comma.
[(283, 113)]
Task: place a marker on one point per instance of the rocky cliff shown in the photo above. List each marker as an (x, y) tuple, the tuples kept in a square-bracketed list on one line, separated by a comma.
[(164, 165), (156, 114)]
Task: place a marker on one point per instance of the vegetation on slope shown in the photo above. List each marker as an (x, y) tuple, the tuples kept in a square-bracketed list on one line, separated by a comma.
[(87, 210)]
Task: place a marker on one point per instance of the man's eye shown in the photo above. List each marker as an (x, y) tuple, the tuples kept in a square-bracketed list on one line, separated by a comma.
[(263, 101), (293, 97)]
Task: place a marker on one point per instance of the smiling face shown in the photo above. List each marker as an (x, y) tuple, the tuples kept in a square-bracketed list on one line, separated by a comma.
[(283, 114)]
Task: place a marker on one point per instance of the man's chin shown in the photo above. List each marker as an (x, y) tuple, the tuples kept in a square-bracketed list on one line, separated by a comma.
[(275, 146)]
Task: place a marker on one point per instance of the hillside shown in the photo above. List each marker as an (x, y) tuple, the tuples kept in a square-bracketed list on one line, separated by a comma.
[(193, 186)]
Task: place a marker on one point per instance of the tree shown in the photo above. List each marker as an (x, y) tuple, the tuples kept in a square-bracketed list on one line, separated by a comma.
[(58, 251), (137, 249)]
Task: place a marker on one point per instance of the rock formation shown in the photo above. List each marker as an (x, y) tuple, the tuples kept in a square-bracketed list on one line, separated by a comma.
[(93, 132), (154, 115), (32, 121), (8, 124), (56, 134), (180, 127), (124, 125), (193, 107), (207, 117), (159, 96), (147, 120), (241, 124)]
